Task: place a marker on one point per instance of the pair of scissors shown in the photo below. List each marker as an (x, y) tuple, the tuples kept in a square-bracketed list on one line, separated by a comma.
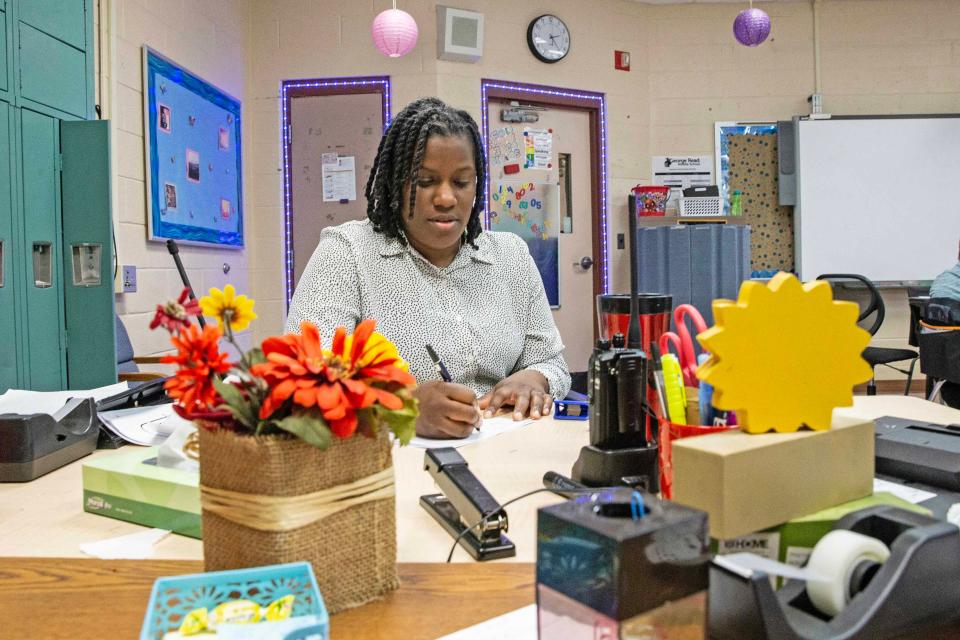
[(682, 341)]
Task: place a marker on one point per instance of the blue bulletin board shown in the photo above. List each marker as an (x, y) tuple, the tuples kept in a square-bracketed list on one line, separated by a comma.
[(194, 179), (531, 210)]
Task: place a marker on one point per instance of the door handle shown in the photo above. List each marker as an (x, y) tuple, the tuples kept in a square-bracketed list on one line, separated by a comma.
[(585, 263)]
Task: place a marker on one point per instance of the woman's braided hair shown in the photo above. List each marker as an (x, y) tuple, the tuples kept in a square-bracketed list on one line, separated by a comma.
[(400, 156)]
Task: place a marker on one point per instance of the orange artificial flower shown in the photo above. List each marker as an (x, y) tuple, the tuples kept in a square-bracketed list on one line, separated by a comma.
[(337, 382), (199, 360)]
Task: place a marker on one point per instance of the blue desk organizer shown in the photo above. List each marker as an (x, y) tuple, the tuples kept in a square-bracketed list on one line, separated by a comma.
[(576, 406), (174, 597)]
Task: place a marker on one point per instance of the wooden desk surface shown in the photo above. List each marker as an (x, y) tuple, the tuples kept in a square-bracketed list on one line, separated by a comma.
[(108, 598), (98, 598), (45, 517), (509, 464)]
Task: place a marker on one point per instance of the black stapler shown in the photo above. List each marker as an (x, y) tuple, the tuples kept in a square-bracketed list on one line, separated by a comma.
[(463, 503), (32, 445), (919, 451)]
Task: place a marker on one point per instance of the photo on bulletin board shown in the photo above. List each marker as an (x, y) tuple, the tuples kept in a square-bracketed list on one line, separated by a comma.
[(532, 211), (722, 133), (192, 147)]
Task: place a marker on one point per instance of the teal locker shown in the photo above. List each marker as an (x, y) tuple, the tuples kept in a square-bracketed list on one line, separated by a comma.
[(52, 73), (51, 53), (5, 55), (46, 76), (62, 19), (42, 332), (87, 258), (9, 261)]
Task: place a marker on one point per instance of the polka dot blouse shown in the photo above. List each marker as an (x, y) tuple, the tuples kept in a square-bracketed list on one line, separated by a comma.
[(485, 314)]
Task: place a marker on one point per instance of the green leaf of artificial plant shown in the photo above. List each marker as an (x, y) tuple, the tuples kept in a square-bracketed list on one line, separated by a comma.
[(313, 431), (236, 403)]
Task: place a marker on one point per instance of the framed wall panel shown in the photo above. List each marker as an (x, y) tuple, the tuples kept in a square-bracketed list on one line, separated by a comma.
[(192, 144)]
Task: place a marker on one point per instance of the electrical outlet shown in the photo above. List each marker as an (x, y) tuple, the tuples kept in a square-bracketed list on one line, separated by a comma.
[(129, 278), (619, 241)]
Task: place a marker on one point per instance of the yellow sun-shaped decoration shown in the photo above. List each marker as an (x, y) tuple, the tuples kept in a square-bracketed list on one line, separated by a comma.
[(784, 355)]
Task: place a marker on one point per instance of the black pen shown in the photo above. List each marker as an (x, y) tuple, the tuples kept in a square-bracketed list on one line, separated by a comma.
[(442, 369), (438, 364)]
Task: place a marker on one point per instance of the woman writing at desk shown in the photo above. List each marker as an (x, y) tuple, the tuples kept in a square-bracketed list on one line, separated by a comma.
[(423, 267)]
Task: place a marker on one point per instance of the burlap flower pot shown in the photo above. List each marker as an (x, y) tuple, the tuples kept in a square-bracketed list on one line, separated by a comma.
[(257, 493)]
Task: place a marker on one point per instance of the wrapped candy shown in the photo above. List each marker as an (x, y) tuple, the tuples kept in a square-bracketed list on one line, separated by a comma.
[(201, 622)]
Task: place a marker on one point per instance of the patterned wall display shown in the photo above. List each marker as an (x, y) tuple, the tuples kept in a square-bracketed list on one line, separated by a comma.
[(753, 170)]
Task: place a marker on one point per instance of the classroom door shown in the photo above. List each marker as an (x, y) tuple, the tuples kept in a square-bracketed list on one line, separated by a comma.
[(333, 143), (568, 170)]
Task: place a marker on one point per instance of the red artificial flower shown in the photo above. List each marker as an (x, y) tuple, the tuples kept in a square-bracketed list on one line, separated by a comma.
[(175, 314), (199, 360), (336, 382)]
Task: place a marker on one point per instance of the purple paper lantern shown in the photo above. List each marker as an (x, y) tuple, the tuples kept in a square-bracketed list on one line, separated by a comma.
[(751, 27), (394, 32)]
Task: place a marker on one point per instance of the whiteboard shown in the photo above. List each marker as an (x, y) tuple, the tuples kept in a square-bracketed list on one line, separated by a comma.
[(878, 196)]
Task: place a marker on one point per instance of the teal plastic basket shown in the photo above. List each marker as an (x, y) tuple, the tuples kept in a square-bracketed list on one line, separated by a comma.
[(174, 597)]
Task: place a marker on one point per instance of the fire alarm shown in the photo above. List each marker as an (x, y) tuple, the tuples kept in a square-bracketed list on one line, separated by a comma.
[(621, 60)]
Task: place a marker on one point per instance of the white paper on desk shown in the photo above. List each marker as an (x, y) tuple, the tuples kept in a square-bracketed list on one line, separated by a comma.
[(26, 402), (910, 494), (134, 546), (146, 426), (266, 630), (516, 625), (489, 428)]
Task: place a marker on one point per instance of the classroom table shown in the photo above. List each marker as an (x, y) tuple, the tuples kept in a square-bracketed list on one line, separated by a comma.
[(45, 518)]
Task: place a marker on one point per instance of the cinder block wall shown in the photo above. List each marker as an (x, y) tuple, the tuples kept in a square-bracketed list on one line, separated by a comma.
[(877, 56)]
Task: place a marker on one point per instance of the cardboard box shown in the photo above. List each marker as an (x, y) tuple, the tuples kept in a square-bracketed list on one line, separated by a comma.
[(793, 541), (130, 486), (748, 483)]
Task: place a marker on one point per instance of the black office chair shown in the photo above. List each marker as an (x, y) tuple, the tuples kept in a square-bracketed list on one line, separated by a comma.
[(877, 355), (940, 349)]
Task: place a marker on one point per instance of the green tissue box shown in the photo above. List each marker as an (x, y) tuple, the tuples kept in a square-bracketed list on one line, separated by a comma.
[(130, 486), (793, 541)]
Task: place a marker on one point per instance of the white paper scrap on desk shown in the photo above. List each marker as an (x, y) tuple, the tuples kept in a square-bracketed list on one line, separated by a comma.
[(910, 494), (24, 402), (147, 426), (133, 546), (489, 428), (516, 625)]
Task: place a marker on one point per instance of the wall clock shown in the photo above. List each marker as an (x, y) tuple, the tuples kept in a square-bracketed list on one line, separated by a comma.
[(548, 38)]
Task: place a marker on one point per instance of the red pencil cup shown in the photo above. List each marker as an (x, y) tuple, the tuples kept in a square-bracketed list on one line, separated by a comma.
[(651, 200), (669, 432)]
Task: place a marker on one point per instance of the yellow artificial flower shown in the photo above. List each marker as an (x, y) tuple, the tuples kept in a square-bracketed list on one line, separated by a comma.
[(377, 349), (227, 307)]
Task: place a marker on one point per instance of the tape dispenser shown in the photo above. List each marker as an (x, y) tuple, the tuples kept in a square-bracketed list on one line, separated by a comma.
[(881, 572)]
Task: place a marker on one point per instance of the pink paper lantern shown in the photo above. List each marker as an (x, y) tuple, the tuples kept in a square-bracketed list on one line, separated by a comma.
[(394, 32), (751, 27)]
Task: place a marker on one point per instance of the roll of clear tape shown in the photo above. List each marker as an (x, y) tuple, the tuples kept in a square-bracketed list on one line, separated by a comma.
[(833, 561)]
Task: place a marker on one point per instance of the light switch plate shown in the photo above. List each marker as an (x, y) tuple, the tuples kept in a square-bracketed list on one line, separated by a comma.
[(129, 278)]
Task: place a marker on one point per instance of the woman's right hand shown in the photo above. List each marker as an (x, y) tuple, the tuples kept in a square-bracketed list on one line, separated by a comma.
[(447, 410)]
